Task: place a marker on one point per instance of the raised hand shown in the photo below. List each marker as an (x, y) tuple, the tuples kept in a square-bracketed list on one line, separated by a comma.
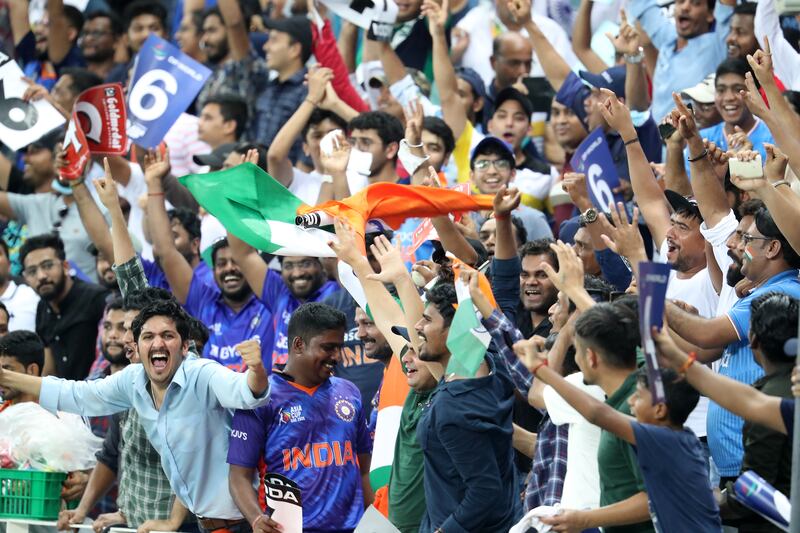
[(317, 81), (628, 40), (422, 272), (761, 63), (155, 166), (505, 201), (393, 269), (346, 245), (752, 98), (574, 184), (719, 159), (570, 268), (330, 99), (336, 160), (685, 125), (34, 91), (472, 279), (617, 115), (520, 10), (624, 238), (432, 179), (250, 351), (775, 165), (107, 188), (738, 140), (530, 353), (436, 15), (414, 119), (251, 156), (669, 355)]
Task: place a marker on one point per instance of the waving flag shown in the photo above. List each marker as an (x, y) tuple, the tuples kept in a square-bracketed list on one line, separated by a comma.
[(393, 394), (257, 209), (467, 339)]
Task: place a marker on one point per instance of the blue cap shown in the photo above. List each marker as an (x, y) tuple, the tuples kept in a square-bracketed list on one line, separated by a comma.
[(612, 79), (474, 79), (495, 143)]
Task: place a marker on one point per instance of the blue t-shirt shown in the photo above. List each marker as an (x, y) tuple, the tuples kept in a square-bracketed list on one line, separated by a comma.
[(156, 277), (672, 463), (313, 437), (45, 73), (787, 413), (725, 428), (280, 301), (228, 328), (716, 134)]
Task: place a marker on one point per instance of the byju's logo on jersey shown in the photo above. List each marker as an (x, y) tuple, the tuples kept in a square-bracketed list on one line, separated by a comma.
[(292, 414), (345, 410)]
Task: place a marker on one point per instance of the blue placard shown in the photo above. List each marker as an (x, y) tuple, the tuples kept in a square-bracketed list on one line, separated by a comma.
[(754, 492), (165, 81), (652, 285), (593, 158)]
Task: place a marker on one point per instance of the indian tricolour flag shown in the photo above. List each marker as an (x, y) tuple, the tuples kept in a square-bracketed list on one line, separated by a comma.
[(393, 395), (253, 206), (467, 339)]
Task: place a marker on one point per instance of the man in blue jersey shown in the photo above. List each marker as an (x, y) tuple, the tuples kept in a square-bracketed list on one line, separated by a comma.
[(301, 279), (770, 264), (313, 431), (228, 308)]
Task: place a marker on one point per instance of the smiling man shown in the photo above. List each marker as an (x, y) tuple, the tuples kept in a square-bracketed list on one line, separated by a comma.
[(313, 432), (182, 402)]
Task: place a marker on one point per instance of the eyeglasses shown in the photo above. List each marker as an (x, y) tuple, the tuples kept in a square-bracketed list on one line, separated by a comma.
[(499, 164), (747, 238), (305, 264), (44, 266)]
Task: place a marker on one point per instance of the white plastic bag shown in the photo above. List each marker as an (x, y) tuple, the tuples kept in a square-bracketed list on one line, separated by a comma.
[(35, 439)]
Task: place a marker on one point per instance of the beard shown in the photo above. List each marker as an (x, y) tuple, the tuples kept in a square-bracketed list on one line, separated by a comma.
[(239, 295), (57, 289), (383, 353), (120, 359)]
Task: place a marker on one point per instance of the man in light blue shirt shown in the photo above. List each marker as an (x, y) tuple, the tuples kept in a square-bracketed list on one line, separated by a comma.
[(184, 405), (689, 50)]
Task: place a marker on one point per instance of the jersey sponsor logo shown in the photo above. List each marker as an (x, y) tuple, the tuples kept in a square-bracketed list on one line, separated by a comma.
[(238, 434), (345, 410), (318, 455), (292, 414)]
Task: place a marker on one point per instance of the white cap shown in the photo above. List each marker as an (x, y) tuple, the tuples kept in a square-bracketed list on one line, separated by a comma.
[(703, 92)]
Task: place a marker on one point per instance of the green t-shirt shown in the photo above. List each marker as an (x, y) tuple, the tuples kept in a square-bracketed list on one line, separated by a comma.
[(406, 490), (620, 477)]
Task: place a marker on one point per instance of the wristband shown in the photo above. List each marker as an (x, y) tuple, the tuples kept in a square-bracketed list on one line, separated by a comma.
[(502, 217), (310, 101), (410, 161), (537, 367), (253, 525), (781, 182), (634, 140), (689, 362), (699, 157)]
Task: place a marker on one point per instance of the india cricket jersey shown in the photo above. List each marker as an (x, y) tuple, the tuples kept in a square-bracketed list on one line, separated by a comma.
[(313, 437)]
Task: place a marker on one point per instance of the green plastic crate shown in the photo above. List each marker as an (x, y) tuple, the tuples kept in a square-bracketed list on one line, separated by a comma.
[(30, 494)]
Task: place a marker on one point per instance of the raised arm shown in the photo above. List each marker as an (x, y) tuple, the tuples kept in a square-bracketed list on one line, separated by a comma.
[(120, 238), (505, 202), (58, 41), (556, 69), (628, 43), (238, 39), (176, 268), (18, 17), (702, 332), (93, 220), (582, 39), (250, 262), (648, 194), (767, 25)]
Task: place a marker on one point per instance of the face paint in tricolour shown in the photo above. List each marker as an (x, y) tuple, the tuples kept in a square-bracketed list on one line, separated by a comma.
[(748, 253)]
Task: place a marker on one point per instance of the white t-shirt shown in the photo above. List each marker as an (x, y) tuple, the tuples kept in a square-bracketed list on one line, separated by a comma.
[(482, 24), (306, 185), (21, 302), (582, 482), (717, 237)]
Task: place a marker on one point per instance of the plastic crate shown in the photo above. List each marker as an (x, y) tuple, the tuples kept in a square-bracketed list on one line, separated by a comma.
[(30, 494)]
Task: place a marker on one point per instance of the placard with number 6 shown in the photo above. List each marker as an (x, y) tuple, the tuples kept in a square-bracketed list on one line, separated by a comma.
[(165, 81), (21, 122), (593, 158)]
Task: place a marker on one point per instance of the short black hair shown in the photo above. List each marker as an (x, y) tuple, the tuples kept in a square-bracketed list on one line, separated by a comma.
[(750, 208), (216, 247), (243, 148), (116, 23), (443, 297), (733, 65), (116, 303), (139, 299), (766, 225), (211, 11), (188, 219), (773, 321), (166, 308), (39, 242), (612, 331), (25, 346), (82, 78), (389, 128), (144, 7), (198, 332), (793, 97), (74, 17), (745, 8), (231, 107), (439, 127), (318, 115), (539, 247), (679, 396), (492, 149), (314, 318)]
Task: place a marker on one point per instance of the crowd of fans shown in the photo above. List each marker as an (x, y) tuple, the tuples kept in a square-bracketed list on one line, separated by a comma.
[(209, 366)]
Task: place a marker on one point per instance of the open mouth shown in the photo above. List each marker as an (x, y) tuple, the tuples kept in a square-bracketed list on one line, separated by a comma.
[(231, 280), (508, 137), (532, 293), (301, 283), (684, 23), (492, 182), (330, 365), (159, 360)]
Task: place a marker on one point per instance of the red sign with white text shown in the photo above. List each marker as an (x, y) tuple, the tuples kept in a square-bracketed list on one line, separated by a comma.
[(101, 110), (77, 151)]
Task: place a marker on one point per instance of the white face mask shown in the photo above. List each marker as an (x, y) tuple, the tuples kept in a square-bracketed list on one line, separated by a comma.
[(359, 162)]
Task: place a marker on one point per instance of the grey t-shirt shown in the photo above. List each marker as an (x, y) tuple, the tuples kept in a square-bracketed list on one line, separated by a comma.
[(40, 212)]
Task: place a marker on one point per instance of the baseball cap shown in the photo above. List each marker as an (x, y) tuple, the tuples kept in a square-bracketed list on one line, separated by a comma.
[(703, 92), (474, 79), (612, 79), (495, 144), (299, 27), (510, 93), (217, 157), (678, 202)]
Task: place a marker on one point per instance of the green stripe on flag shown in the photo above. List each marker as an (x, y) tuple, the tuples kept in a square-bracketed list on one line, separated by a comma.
[(467, 339), (253, 206)]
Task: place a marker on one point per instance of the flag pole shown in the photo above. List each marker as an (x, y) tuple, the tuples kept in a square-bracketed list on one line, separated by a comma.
[(794, 523)]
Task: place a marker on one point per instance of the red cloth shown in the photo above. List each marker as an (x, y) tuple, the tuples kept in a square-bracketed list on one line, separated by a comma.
[(327, 53)]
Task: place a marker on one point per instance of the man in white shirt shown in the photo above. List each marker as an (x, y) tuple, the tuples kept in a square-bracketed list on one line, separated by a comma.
[(20, 300)]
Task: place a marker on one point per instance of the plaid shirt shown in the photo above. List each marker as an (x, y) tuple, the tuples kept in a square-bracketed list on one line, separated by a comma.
[(144, 491), (546, 481), (130, 276)]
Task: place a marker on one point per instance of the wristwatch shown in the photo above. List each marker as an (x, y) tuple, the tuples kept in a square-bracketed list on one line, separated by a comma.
[(636, 58), (588, 216)]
